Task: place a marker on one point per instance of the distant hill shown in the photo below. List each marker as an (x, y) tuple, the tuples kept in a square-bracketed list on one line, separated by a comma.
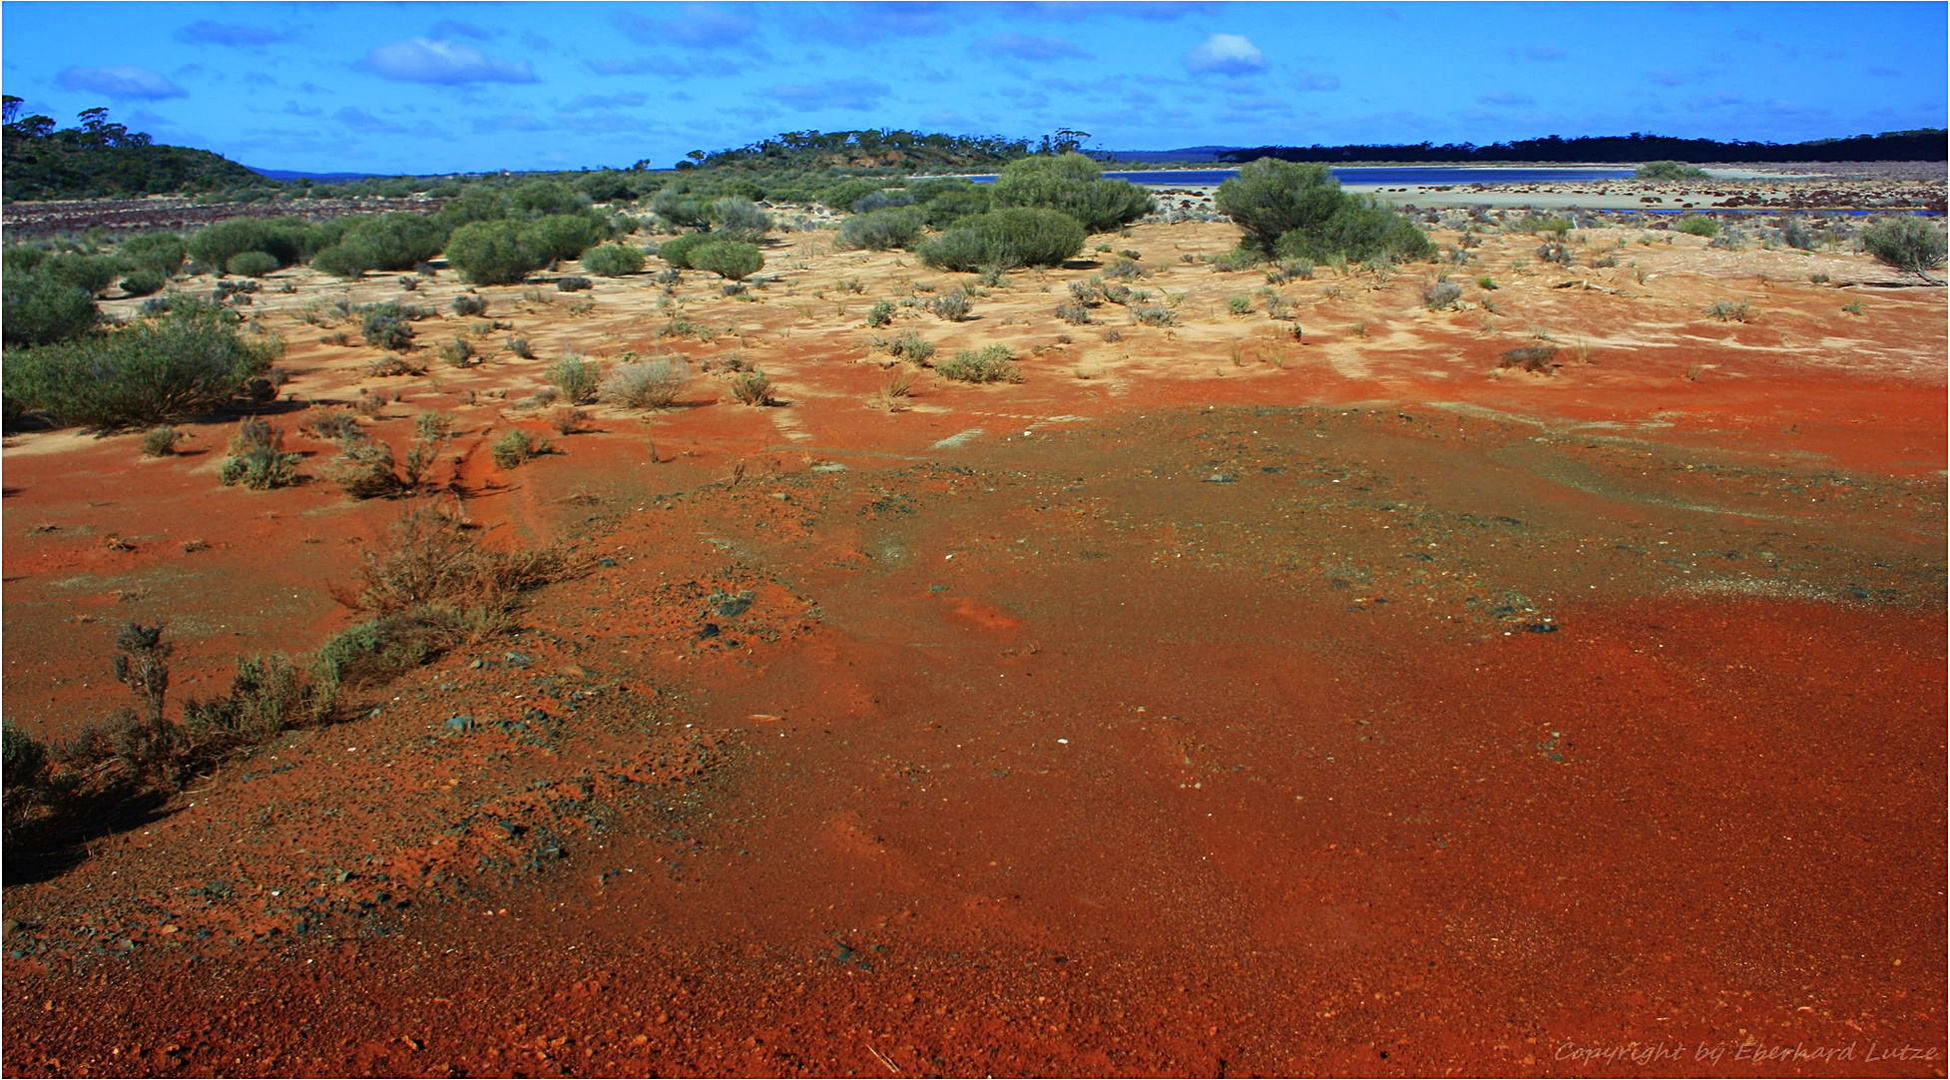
[(317, 177), (98, 158), (1927, 144)]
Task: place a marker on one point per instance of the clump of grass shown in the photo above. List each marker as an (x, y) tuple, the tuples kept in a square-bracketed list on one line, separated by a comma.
[(1853, 307), (953, 306), (881, 313), (908, 345), (752, 387), (577, 379), (470, 304), (515, 446), (1441, 295), (991, 363), (1540, 359), (258, 459), (457, 352), (567, 420), (1729, 311), (1239, 304), (160, 441), (897, 394), (1697, 225), (647, 384), (1154, 315), (520, 347)]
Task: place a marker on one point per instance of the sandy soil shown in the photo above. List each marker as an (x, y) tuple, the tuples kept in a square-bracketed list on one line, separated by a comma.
[(1211, 702)]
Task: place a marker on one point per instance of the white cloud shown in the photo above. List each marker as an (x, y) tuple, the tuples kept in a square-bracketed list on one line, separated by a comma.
[(424, 61), (1226, 54)]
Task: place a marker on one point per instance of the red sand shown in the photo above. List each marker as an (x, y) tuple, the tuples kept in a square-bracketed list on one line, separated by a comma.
[(1365, 715)]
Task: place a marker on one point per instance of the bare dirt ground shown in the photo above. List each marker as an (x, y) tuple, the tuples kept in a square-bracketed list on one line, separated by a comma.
[(1210, 702)]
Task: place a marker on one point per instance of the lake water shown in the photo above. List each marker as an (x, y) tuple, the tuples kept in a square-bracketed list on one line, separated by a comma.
[(1395, 176)]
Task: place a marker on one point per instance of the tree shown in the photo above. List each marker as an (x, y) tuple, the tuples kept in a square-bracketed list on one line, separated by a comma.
[(1074, 185)]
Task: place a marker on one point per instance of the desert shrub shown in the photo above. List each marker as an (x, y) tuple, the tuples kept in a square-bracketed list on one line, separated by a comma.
[(397, 241), (470, 304), (881, 313), (39, 309), (908, 346), (991, 363), (334, 425), (1154, 315), (573, 284), (752, 387), (258, 459), (576, 378), (677, 250), (1796, 234), (520, 347), (159, 253), (881, 230), (1909, 244), (950, 205), (680, 211), (1535, 358), (1486, 282), (1669, 170), (142, 283), (952, 306), (387, 326), (93, 273), (1125, 270), (1359, 229), (456, 352), (189, 362), (1441, 294), (739, 219), (1074, 185), (1728, 311), (364, 470), (1006, 239), (514, 447), (613, 260), (647, 384), (1697, 225), (494, 253), (160, 441), (252, 264), (1290, 270), (1555, 253), (1239, 305), (728, 259), (23, 774), (1074, 313), (882, 200)]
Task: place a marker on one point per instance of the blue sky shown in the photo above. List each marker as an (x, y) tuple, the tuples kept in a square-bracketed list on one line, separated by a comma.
[(437, 87)]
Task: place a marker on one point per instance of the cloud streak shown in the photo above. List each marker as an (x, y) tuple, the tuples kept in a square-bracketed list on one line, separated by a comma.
[(125, 82), (444, 63)]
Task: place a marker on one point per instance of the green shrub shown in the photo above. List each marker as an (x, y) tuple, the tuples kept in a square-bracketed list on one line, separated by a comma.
[(677, 251), (679, 211), (348, 261), (843, 196), (546, 198), (1239, 258), (285, 240), (1239, 305), (142, 283), (1359, 229), (160, 253), (576, 378), (388, 326), (1270, 198), (183, 364), (992, 363), (1909, 244), (1697, 225), (1669, 170), (1555, 253), (1728, 311), (456, 352), (613, 260), (952, 205), (398, 241), (364, 469), (952, 306), (252, 264), (1006, 239), (494, 253), (564, 236), (881, 230), (516, 446), (1074, 185), (1154, 315), (39, 309), (728, 259), (739, 219), (91, 272), (881, 313), (1440, 295)]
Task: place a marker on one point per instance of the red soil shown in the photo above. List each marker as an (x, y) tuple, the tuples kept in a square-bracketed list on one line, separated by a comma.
[(1338, 708)]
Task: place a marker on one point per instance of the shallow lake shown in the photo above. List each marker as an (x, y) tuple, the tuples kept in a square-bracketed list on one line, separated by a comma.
[(1372, 176)]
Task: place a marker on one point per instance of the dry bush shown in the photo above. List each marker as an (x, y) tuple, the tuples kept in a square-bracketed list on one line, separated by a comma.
[(431, 560), (649, 384)]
